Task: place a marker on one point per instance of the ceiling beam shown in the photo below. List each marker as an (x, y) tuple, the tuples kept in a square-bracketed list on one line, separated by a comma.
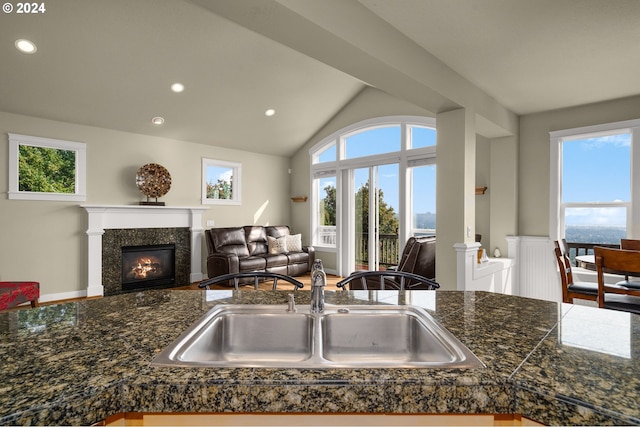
[(346, 35)]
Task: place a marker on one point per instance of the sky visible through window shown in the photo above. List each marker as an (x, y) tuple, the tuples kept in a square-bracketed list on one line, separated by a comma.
[(609, 156), (596, 170), (384, 140)]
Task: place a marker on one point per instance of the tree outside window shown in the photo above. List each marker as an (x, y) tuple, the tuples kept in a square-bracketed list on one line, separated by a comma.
[(46, 169)]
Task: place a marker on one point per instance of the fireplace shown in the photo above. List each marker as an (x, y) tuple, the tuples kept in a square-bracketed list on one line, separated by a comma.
[(148, 266), (110, 227)]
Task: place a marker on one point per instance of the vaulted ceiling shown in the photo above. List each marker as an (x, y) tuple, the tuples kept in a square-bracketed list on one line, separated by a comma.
[(111, 63)]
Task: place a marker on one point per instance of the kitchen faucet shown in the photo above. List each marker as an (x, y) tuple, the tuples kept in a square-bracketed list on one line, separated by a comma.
[(318, 282)]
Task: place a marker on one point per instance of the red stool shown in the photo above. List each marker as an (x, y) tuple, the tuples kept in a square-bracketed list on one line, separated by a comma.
[(15, 293)]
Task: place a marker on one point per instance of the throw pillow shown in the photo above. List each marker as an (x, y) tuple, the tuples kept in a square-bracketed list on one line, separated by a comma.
[(294, 243), (277, 246)]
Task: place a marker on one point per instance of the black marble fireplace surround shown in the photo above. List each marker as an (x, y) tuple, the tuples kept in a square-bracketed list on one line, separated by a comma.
[(114, 239)]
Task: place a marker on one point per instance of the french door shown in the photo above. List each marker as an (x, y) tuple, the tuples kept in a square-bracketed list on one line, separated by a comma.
[(373, 210)]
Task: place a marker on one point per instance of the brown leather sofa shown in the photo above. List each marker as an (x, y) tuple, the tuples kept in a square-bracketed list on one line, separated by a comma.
[(246, 249)]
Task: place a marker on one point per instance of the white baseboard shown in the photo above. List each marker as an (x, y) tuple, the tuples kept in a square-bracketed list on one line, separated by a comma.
[(63, 296)]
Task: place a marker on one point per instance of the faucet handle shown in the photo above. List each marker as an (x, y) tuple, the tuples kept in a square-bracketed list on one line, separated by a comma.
[(291, 304)]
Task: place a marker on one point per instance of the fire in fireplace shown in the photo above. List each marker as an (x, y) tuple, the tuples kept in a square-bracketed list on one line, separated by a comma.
[(148, 266)]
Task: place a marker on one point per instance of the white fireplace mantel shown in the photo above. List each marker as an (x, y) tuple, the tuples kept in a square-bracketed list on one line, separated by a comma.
[(104, 217)]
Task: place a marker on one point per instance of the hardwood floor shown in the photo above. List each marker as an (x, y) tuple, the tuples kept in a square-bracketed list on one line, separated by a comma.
[(306, 280)]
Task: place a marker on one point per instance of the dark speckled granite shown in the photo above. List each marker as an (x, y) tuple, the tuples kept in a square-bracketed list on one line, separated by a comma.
[(114, 239), (78, 363)]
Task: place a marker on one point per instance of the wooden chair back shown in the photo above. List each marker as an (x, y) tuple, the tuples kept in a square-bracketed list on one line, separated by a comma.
[(566, 278), (631, 245), (620, 260), (563, 246), (570, 289)]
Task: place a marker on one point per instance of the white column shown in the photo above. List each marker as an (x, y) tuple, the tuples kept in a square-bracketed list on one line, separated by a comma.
[(94, 250), (455, 198), (467, 258), (197, 233)]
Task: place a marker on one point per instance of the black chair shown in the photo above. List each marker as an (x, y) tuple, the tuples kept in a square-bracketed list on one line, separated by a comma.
[(418, 257), (381, 280), (256, 275)]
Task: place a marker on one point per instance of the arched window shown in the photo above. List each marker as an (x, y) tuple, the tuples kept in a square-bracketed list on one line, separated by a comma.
[(373, 186)]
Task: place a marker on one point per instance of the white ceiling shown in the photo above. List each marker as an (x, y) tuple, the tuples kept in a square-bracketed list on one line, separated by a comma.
[(110, 63), (530, 55)]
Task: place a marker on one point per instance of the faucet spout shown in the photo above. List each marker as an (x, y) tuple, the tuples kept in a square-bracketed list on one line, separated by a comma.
[(318, 282)]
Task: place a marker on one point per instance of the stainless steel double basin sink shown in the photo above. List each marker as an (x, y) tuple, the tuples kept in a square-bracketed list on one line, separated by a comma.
[(355, 336)]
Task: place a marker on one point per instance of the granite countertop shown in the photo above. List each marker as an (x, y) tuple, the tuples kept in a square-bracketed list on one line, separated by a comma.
[(78, 363)]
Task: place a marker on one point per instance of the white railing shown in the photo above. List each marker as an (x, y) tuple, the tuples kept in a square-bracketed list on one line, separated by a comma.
[(418, 232), (327, 235)]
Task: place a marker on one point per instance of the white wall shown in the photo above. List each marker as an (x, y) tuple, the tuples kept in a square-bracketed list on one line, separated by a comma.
[(46, 241)]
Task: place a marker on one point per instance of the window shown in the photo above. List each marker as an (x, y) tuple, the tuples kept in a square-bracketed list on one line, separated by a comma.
[(326, 154), (593, 200), (373, 187), (325, 189), (422, 136), (368, 142), (46, 169), (423, 199), (220, 182)]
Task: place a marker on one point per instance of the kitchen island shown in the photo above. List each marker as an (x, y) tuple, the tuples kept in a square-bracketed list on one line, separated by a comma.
[(82, 362)]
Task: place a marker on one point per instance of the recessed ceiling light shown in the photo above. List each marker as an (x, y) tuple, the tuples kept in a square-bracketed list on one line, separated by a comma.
[(25, 46), (270, 112), (177, 87), (157, 120)]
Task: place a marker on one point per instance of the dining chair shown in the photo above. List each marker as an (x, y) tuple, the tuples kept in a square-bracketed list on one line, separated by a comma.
[(631, 245), (624, 297), (389, 280), (571, 289), (256, 275), (564, 247)]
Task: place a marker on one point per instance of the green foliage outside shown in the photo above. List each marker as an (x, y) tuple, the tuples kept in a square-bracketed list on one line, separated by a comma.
[(46, 170), (388, 217), (220, 190), (328, 206), (388, 228)]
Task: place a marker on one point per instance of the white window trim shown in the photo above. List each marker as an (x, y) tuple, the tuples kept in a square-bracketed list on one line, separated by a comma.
[(556, 222), (80, 148), (405, 157), (236, 184)]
